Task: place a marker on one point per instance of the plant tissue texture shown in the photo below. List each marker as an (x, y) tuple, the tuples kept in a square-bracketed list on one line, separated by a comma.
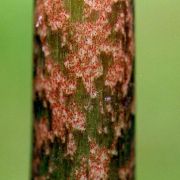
[(83, 90)]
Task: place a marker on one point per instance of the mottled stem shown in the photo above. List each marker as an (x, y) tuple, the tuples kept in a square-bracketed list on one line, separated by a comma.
[(83, 90)]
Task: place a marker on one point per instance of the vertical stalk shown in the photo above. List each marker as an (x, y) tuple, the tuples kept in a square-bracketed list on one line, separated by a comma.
[(83, 90)]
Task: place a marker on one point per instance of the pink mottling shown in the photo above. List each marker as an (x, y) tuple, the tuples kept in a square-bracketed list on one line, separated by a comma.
[(56, 13), (98, 162)]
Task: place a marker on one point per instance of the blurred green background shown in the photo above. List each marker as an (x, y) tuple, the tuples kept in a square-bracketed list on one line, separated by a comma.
[(157, 89)]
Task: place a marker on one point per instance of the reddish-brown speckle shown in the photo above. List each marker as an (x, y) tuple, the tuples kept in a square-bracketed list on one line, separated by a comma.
[(57, 87), (98, 162), (71, 145), (81, 173), (41, 132), (56, 14)]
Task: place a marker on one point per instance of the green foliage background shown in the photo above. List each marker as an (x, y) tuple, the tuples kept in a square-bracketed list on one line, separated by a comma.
[(157, 89)]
